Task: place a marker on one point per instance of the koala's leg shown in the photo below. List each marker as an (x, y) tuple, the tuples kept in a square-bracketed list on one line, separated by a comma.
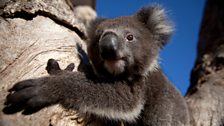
[(116, 100)]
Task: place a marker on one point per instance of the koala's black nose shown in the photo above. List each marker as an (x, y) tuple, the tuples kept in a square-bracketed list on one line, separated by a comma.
[(108, 46)]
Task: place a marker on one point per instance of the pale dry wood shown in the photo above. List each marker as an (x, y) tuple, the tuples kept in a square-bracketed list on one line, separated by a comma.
[(58, 10), (31, 32), (25, 47), (206, 93)]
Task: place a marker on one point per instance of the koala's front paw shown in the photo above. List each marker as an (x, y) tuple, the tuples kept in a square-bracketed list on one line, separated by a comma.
[(53, 67), (29, 96)]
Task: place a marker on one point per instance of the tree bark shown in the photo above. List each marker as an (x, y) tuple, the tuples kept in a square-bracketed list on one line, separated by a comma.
[(205, 96), (31, 32)]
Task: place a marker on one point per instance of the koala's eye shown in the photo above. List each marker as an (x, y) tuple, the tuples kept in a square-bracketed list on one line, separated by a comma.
[(130, 37)]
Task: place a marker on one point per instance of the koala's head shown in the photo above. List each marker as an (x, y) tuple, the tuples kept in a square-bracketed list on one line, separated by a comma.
[(129, 44)]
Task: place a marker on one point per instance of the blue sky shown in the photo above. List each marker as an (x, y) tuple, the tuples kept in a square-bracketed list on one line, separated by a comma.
[(177, 58)]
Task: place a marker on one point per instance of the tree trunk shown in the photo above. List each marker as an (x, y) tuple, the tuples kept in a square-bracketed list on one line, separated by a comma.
[(205, 96), (31, 32)]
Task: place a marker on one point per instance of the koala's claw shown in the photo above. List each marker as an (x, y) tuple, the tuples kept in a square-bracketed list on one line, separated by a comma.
[(19, 96), (53, 67), (27, 96), (70, 67), (22, 85), (10, 109), (31, 95)]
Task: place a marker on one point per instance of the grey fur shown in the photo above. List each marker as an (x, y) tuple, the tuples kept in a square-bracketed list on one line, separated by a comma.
[(156, 20), (132, 89)]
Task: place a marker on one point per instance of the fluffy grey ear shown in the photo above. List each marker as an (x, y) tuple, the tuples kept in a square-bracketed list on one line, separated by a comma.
[(155, 18)]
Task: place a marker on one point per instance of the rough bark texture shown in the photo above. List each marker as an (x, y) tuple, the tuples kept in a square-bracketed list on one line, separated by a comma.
[(206, 93), (31, 32)]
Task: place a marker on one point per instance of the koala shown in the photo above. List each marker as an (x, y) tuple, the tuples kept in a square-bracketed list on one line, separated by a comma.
[(126, 83)]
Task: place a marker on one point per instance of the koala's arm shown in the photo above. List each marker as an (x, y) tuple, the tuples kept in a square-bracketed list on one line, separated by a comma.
[(118, 100)]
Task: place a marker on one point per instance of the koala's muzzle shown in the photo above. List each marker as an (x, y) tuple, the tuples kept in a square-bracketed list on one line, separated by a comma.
[(108, 46)]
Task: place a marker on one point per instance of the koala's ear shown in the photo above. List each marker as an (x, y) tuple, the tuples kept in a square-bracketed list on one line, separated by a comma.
[(155, 19)]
